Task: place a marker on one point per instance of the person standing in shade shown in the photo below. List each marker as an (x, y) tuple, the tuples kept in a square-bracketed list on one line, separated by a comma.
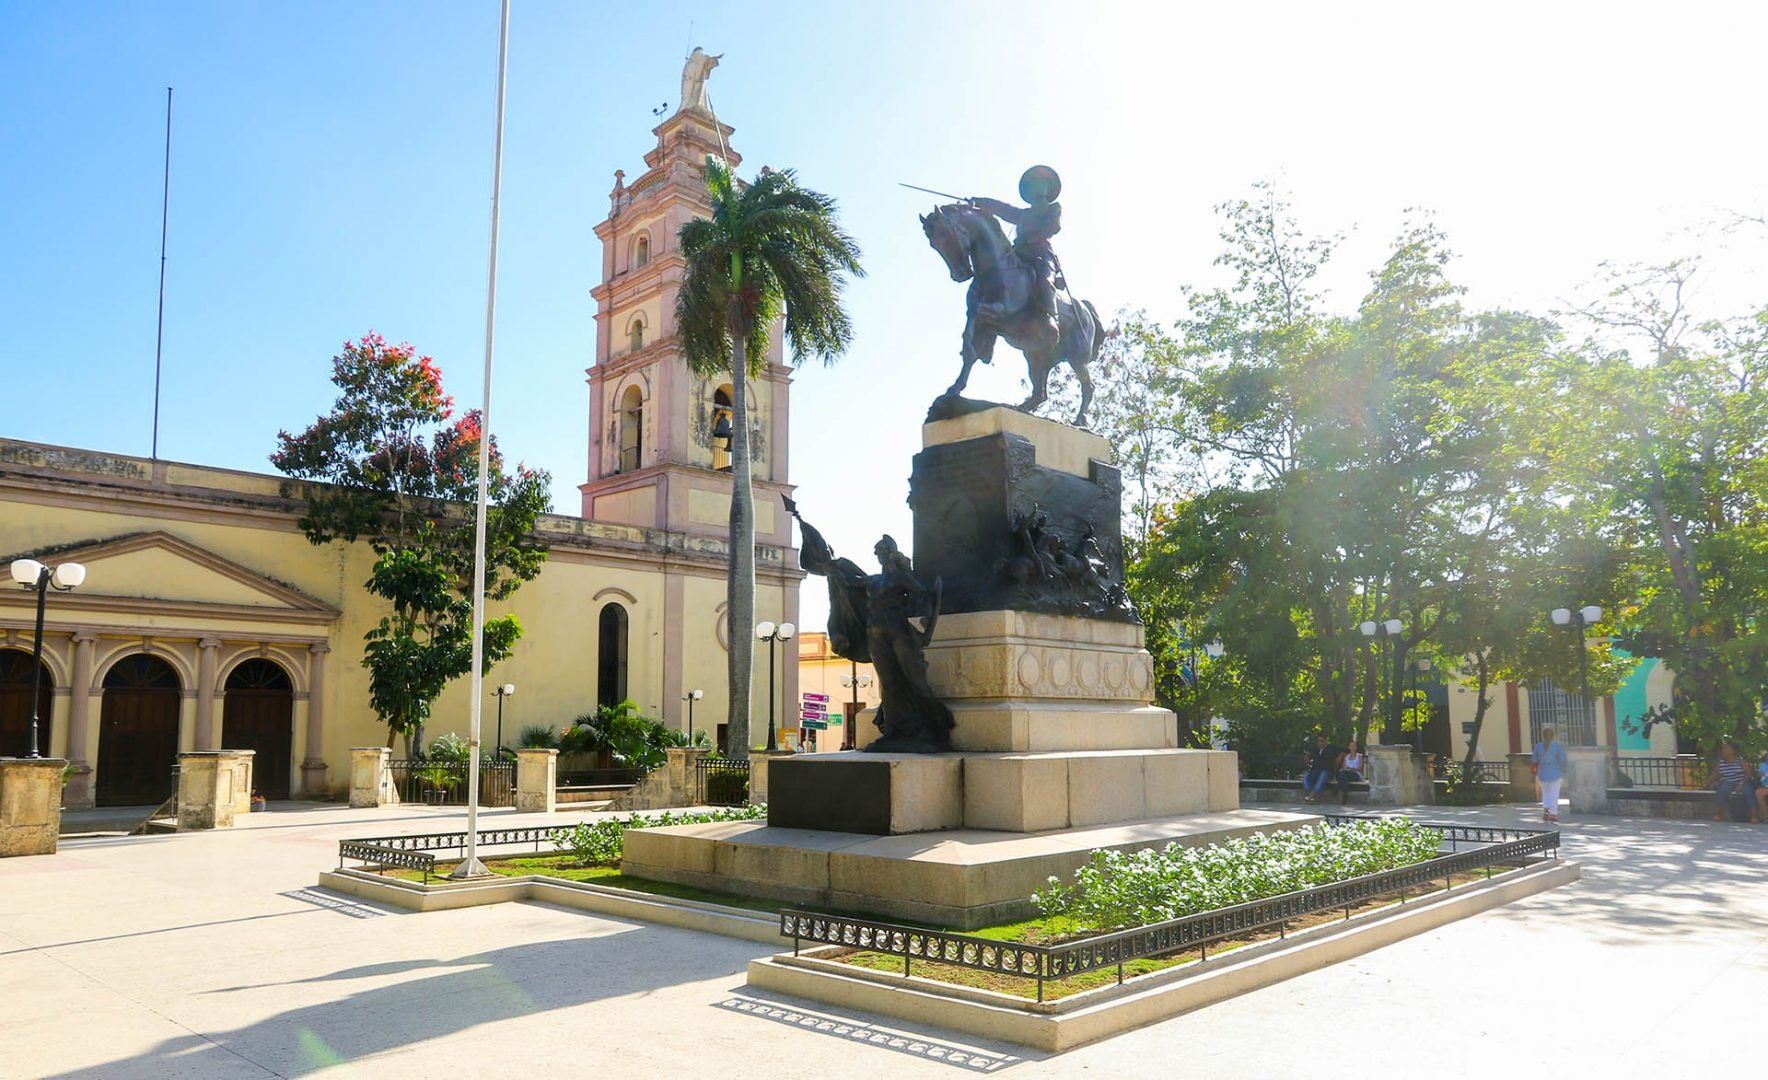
[(1550, 771)]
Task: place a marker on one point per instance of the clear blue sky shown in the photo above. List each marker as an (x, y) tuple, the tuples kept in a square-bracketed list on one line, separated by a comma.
[(331, 174)]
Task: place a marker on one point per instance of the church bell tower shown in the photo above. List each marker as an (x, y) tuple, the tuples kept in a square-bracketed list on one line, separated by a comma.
[(656, 458)]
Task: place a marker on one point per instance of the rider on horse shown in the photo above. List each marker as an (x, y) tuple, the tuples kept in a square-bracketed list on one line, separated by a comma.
[(1033, 226)]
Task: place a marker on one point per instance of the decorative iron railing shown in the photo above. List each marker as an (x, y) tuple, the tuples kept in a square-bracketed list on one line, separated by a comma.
[(1043, 963), (444, 783), (1685, 772), (721, 782)]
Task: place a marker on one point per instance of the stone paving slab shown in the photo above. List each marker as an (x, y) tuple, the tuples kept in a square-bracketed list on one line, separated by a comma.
[(212, 956)]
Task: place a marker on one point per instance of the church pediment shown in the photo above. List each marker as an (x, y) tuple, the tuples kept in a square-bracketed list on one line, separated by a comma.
[(159, 568)]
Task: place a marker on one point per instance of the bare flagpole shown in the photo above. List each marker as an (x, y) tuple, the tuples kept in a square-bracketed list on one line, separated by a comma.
[(159, 334), (470, 866)]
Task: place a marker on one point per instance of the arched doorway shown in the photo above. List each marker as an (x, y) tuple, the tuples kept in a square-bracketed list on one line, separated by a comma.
[(138, 732), (610, 683), (16, 678), (258, 713)]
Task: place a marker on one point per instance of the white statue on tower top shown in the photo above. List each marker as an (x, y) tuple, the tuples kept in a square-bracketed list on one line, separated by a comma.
[(693, 80)]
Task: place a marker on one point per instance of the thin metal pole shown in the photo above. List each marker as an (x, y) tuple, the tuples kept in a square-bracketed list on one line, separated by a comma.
[(37, 658), (1584, 679), (159, 334), (772, 727), (470, 865)]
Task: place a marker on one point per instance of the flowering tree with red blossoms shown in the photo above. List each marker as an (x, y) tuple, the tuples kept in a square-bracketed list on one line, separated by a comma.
[(393, 466)]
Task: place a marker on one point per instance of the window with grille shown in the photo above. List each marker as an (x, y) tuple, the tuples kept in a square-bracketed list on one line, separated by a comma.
[(1573, 720)]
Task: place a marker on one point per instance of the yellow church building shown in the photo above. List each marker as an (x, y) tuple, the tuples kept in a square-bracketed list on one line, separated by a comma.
[(208, 621)]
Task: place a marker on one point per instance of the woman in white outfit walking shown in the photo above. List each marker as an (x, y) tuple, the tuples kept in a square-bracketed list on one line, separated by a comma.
[(1550, 771)]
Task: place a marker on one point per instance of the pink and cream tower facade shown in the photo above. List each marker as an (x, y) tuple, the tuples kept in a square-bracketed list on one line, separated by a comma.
[(653, 460)]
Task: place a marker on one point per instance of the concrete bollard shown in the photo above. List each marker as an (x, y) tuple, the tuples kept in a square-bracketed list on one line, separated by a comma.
[(371, 780), (1397, 777), (206, 789), (1586, 778), (1522, 779), (30, 805), (537, 780)]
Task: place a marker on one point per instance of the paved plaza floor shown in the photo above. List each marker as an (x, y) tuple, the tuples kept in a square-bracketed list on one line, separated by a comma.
[(213, 955)]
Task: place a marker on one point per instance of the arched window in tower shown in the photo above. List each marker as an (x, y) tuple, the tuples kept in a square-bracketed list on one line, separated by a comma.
[(641, 251), (635, 334), (610, 678), (632, 426), (721, 417)]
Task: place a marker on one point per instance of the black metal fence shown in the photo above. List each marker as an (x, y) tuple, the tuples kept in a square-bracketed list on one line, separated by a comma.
[(382, 853), (721, 782), (1042, 963), (1483, 772), (1686, 772), (444, 783)]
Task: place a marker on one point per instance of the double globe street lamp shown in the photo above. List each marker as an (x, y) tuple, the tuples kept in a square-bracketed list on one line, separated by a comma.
[(1581, 618), (771, 633), (508, 689), (1389, 628), (31, 574)]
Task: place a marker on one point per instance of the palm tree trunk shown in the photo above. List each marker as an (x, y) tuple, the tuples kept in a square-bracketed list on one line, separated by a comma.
[(741, 596)]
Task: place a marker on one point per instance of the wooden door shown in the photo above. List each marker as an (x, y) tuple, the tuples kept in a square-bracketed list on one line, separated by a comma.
[(138, 733), (15, 704), (258, 714)]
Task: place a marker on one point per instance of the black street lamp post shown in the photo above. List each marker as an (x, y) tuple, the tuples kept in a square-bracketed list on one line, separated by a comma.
[(1390, 716), (770, 633), (853, 680), (1581, 618), (690, 697), (501, 692), (31, 574)]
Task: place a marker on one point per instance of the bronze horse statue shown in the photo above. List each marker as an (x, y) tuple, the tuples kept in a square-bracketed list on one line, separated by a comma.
[(999, 305)]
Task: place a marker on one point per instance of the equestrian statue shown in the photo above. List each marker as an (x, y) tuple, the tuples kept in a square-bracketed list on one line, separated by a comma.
[(1017, 290)]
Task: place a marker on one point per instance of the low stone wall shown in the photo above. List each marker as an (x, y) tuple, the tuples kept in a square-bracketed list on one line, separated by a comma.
[(1289, 791), (676, 784), (1679, 805)]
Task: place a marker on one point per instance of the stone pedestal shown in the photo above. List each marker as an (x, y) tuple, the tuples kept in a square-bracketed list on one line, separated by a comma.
[(1024, 682), (77, 794), (371, 781), (1522, 779), (30, 805), (759, 775), (208, 794), (1586, 778), (1397, 777), (244, 761), (537, 781)]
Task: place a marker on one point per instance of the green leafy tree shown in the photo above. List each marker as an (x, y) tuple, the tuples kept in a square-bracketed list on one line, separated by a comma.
[(1672, 441), (391, 465), (770, 248)]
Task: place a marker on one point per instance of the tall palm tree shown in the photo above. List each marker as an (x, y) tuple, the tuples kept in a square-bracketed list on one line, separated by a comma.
[(770, 248)]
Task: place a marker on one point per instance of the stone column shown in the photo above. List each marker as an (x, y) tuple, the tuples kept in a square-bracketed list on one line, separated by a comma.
[(30, 805), (537, 781), (1586, 778), (206, 779), (1397, 777), (371, 781), (683, 774), (313, 765), (78, 793), (1522, 779), (207, 651)]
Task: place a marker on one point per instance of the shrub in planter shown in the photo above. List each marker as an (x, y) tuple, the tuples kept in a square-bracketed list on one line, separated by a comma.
[(601, 843), (449, 747), (1118, 888), (538, 737)]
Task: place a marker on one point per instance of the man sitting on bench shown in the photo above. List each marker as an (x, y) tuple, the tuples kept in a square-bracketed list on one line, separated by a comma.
[(1322, 770)]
